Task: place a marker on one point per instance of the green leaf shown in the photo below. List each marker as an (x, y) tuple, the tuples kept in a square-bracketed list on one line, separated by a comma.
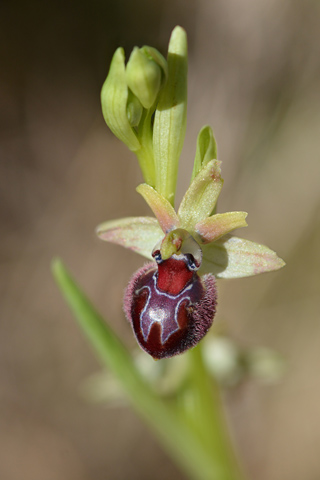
[(162, 209), (114, 97), (139, 234), (233, 257), (171, 117), (206, 150), (201, 196), (214, 227)]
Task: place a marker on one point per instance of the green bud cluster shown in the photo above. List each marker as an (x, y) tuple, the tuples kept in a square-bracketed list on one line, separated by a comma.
[(144, 103)]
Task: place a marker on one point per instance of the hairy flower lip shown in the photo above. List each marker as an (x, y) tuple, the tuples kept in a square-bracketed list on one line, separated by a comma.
[(170, 317)]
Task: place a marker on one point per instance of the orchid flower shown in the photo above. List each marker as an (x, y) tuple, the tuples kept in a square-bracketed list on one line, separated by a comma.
[(145, 105)]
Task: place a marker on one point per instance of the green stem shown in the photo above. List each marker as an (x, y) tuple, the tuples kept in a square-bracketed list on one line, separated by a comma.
[(210, 419)]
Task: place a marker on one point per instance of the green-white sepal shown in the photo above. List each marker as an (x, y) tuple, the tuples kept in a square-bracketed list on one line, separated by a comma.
[(139, 234), (233, 257), (228, 257)]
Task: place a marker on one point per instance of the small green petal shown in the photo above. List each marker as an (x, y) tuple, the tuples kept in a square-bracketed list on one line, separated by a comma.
[(233, 257), (202, 195), (171, 117), (139, 234), (214, 227), (162, 209), (206, 150), (114, 97)]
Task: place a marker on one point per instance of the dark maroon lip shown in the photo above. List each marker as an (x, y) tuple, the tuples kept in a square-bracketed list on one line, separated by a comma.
[(169, 307)]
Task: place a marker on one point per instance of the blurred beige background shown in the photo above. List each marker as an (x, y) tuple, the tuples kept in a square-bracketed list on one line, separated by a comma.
[(255, 77)]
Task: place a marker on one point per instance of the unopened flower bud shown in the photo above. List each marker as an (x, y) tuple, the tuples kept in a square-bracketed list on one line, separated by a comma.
[(114, 98), (144, 74), (134, 110)]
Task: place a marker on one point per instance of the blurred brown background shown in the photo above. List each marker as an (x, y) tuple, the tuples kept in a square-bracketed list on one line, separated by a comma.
[(255, 77)]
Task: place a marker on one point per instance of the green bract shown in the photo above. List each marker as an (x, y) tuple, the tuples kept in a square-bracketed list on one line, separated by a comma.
[(206, 150), (144, 104), (171, 117)]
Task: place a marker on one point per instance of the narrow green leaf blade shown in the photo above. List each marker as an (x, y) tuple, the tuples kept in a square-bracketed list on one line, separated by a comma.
[(105, 342)]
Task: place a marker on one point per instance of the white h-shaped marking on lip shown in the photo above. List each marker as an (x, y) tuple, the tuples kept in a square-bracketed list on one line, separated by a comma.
[(158, 315)]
